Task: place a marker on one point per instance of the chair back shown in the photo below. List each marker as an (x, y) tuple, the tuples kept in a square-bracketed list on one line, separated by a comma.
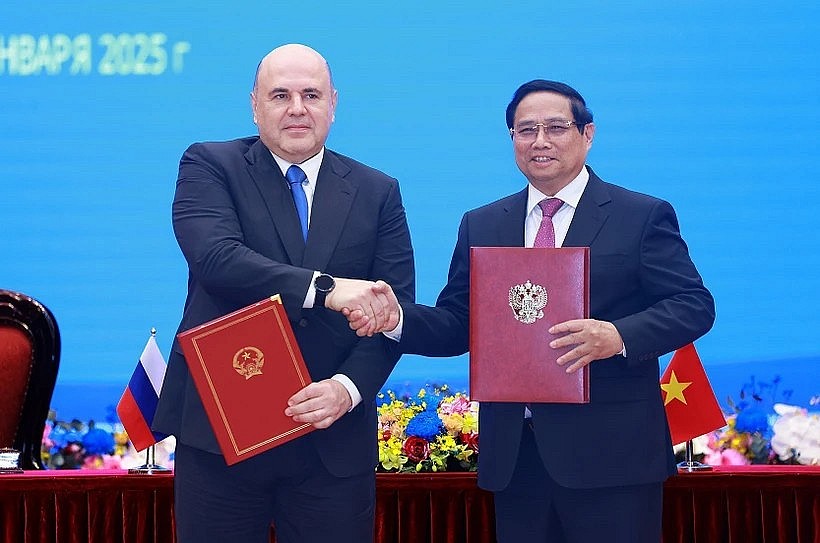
[(29, 359)]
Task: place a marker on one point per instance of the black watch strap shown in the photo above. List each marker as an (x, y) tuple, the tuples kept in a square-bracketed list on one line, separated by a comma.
[(320, 299), (323, 284)]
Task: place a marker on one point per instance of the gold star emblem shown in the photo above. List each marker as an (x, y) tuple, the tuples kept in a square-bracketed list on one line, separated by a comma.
[(674, 389)]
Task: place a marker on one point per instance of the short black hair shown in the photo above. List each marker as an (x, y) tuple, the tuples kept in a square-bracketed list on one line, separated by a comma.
[(581, 113)]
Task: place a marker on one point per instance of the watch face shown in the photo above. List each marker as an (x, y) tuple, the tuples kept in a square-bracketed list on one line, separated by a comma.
[(324, 283)]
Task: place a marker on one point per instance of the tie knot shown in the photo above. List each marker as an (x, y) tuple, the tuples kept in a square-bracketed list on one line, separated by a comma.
[(550, 205), (295, 175)]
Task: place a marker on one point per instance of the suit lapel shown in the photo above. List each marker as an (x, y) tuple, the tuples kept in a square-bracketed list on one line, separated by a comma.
[(510, 225), (332, 202), (275, 192), (590, 215)]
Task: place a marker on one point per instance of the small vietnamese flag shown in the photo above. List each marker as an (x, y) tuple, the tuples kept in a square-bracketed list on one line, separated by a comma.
[(690, 403)]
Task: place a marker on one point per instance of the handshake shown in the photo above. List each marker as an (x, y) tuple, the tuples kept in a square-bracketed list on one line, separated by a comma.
[(370, 307)]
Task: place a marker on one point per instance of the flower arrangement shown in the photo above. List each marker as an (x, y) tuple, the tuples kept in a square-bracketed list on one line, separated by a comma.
[(796, 434), (762, 430), (79, 445), (74, 444), (436, 430)]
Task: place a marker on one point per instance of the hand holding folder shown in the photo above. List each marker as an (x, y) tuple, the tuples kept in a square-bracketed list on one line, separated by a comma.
[(516, 295), (246, 365)]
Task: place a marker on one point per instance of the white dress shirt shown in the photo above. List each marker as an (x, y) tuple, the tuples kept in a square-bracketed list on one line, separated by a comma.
[(311, 168), (570, 194)]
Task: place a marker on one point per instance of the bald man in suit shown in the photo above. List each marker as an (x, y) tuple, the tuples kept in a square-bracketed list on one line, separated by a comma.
[(237, 219)]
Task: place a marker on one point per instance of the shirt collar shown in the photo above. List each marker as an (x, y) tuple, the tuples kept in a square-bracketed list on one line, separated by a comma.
[(570, 194), (310, 166)]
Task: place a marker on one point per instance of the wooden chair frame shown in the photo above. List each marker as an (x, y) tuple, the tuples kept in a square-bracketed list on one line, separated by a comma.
[(38, 323)]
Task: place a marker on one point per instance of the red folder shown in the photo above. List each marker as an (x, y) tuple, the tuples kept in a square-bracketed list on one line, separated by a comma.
[(245, 366), (516, 295)]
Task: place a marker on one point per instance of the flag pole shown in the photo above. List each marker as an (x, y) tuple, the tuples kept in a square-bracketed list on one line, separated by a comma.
[(690, 464), (686, 376), (150, 467)]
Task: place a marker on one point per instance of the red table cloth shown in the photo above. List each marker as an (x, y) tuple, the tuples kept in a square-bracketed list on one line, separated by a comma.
[(767, 504)]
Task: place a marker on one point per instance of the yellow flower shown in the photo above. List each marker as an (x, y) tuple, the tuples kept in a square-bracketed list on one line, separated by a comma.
[(446, 449)]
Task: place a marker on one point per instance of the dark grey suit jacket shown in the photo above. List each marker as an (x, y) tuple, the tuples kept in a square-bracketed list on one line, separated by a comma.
[(237, 226), (643, 281)]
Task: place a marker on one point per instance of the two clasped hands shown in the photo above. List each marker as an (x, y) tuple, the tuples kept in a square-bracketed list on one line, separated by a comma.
[(372, 308)]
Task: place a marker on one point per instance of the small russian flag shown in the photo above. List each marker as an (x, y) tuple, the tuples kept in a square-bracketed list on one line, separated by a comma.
[(138, 404)]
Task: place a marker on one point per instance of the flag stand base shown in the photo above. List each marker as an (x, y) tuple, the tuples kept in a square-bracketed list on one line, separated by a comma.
[(149, 467), (690, 465)]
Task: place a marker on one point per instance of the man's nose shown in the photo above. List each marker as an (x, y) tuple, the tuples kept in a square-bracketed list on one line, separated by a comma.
[(541, 139), (297, 106)]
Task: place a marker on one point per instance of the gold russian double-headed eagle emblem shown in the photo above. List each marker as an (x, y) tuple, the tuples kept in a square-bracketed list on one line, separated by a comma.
[(248, 361), (527, 301)]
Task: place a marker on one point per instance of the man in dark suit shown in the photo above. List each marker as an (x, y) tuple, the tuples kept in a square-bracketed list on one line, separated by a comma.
[(238, 225), (577, 473)]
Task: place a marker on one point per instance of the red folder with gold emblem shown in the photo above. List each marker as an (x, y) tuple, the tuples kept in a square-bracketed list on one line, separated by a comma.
[(245, 366), (516, 295)]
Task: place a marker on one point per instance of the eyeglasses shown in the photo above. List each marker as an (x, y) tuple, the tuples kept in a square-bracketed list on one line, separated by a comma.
[(553, 130)]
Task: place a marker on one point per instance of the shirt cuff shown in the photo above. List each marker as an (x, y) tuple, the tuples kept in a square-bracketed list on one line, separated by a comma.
[(310, 297), (395, 333), (355, 396)]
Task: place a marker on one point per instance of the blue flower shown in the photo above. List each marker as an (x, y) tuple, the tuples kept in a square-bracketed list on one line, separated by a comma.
[(752, 419), (432, 398), (425, 425), (98, 441), (62, 436)]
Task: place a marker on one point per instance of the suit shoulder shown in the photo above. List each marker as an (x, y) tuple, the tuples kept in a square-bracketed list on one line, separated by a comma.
[(623, 195), (239, 145), (344, 165), (502, 204)]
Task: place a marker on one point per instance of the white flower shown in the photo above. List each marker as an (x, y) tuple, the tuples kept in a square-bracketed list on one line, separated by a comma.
[(796, 434), (700, 445)]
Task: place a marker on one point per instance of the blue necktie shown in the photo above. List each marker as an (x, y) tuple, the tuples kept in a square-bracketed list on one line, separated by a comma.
[(296, 177)]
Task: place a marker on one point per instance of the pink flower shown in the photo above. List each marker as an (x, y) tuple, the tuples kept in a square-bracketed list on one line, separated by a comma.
[(111, 461), (712, 441), (725, 457), (92, 462), (47, 442), (459, 405)]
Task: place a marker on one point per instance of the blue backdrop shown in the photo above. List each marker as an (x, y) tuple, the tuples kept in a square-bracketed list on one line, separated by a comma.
[(713, 107)]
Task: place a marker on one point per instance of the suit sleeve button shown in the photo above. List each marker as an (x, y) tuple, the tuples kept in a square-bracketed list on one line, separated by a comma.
[(303, 323)]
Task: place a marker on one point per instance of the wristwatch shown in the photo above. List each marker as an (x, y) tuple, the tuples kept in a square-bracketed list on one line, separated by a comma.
[(323, 284)]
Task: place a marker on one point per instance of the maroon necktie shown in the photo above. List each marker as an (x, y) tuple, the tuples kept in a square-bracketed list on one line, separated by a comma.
[(545, 238), (546, 232)]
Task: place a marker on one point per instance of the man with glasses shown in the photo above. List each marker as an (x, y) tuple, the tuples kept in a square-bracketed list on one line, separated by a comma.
[(576, 473)]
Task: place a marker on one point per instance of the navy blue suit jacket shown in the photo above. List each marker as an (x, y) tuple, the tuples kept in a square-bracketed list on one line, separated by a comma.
[(642, 280), (237, 226)]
